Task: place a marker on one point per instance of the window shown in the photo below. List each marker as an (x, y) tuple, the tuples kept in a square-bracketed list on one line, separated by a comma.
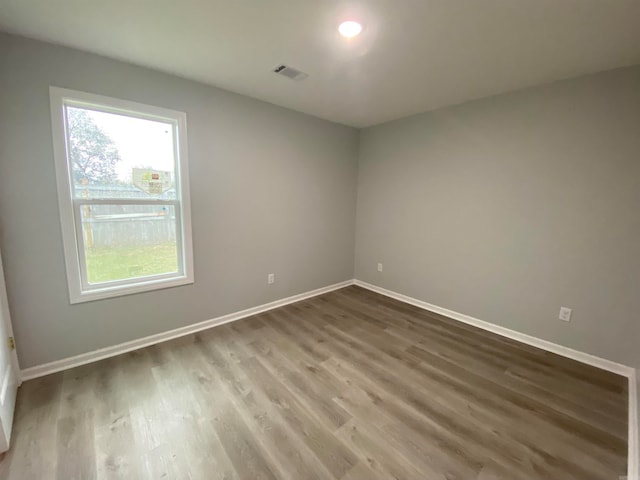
[(123, 194)]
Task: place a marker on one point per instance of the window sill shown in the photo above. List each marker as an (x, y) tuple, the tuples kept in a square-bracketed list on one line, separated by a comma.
[(122, 290)]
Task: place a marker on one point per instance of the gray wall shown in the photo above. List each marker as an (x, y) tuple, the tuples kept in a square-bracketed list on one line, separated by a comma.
[(509, 207), (271, 191), (503, 208)]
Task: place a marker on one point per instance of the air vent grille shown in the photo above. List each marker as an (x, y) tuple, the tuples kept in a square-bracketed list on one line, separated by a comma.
[(290, 72)]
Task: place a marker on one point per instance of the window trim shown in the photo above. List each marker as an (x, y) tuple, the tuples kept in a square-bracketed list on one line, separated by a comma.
[(79, 290)]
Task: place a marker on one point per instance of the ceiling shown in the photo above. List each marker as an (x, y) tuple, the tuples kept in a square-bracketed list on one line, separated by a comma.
[(412, 56)]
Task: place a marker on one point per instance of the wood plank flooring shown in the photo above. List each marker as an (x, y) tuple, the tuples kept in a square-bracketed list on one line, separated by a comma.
[(349, 385)]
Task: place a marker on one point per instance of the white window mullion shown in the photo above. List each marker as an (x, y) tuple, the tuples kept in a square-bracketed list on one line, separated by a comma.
[(125, 201)]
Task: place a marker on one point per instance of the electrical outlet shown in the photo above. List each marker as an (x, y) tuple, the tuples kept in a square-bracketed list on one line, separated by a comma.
[(379, 267), (271, 278), (565, 314)]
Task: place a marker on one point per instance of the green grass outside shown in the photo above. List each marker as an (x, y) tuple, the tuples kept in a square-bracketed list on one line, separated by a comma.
[(106, 264)]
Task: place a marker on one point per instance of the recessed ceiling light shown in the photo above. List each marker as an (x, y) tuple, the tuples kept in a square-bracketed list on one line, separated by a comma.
[(349, 29)]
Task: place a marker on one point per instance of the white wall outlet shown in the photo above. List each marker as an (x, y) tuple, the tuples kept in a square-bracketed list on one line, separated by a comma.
[(565, 314), (271, 278), (379, 267)]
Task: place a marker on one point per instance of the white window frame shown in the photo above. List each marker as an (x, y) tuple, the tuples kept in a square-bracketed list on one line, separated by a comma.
[(79, 288)]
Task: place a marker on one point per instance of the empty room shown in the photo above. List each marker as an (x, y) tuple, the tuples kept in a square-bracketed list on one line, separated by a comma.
[(319, 240)]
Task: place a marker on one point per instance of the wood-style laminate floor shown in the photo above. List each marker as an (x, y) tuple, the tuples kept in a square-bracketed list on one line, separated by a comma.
[(348, 385)]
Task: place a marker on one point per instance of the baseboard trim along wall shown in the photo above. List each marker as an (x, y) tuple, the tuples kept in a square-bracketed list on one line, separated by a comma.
[(624, 370), (102, 353), (634, 441), (629, 372)]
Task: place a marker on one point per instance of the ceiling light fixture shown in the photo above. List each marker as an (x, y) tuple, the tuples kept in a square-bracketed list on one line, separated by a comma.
[(349, 29)]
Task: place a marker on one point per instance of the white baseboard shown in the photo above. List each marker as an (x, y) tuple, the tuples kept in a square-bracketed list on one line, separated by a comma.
[(634, 442), (506, 332), (624, 370), (102, 353)]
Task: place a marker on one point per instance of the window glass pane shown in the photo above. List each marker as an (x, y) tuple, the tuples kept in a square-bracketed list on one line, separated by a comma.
[(128, 241), (118, 156)]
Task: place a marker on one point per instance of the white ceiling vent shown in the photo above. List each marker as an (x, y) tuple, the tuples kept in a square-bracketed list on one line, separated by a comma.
[(289, 72)]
